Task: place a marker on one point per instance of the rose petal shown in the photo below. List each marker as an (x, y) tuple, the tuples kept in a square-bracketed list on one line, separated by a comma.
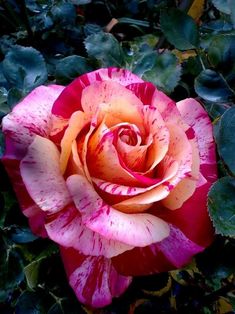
[(143, 229), (151, 96), (68, 230), (93, 279), (192, 218), (186, 187), (116, 103), (175, 251), (76, 123), (103, 160), (41, 175), (70, 100), (194, 115), (31, 116), (156, 127), (30, 209), (180, 150)]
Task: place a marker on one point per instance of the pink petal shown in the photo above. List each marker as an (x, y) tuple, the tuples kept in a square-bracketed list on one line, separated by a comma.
[(41, 175), (157, 129), (70, 100), (28, 206), (68, 230), (193, 210), (116, 103), (194, 115), (93, 279), (186, 187), (150, 95), (175, 251), (135, 229), (103, 160), (31, 116), (129, 146)]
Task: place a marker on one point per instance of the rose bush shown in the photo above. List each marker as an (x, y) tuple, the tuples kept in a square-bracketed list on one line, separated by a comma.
[(116, 173)]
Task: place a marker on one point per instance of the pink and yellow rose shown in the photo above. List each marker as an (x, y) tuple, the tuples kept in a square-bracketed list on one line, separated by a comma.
[(116, 173)]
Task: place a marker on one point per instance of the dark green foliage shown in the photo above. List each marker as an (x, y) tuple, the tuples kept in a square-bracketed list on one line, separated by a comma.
[(225, 138), (179, 29), (221, 202)]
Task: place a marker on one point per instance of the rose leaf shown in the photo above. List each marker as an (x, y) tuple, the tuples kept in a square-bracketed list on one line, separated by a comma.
[(221, 204), (225, 138), (221, 53), (212, 86), (180, 29), (68, 68), (165, 73), (105, 48), (24, 68)]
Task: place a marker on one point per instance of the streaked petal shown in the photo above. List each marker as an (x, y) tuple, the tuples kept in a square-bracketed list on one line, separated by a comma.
[(70, 100), (186, 187), (93, 279), (67, 229), (102, 158), (35, 215), (192, 218), (31, 116), (116, 103), (173, 252), (41, 175), (136, 229), (76, 123), (195, 116), (156, 127)]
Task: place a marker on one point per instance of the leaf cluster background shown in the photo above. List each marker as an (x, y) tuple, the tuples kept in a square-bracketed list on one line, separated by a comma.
[(187, 49)]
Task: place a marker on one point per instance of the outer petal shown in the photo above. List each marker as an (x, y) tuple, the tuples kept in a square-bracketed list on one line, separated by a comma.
[(67, 229), (134, 229), (30, 209), (194, 115), (93, 279), (70, 100), (31, 116), (173, 252), (193, 210), (41, 175)]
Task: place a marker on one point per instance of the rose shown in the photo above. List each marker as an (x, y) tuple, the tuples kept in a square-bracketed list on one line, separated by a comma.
[(116, 173)]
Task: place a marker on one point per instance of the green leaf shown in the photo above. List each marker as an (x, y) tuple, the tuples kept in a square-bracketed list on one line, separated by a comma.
[(80, 2), (4, 108), (30, 303), (221, 52), (145, 63), (31, 272), (21, 234), (64, 13), (24, 68), (225, 138), (212, 86), (179, 28), (221, 204), (222, 5), (105, 48), (165, 73), (67, 69), (11, 265), (14, 96)]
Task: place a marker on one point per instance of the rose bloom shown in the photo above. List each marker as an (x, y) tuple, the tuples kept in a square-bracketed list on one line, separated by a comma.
[(116, 173)]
